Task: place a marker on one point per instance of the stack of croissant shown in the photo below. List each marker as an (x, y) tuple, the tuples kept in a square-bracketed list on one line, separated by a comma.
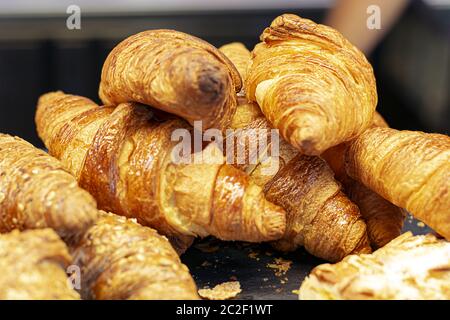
[(112, 201)]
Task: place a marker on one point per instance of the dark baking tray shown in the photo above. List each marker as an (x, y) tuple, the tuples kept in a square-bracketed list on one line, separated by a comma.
[(212, 262)]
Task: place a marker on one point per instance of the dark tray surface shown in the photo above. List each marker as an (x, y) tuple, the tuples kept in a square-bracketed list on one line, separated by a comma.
[(248, 263)]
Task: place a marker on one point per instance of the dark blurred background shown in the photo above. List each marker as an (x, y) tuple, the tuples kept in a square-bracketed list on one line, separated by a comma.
[(38, 53)]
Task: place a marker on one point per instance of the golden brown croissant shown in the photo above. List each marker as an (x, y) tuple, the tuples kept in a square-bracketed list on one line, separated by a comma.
[(409, 267), (384, 220), (174, 72), (33, 266), (411, 169), (304, 187), (120, 259), (37, 192), (311, 84), (320, 217), (124, 158)]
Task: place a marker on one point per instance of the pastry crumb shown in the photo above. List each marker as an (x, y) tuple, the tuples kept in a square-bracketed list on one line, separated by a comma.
[(281, 266), (420, 224), (223, 291), (206, 264), (253, 255)]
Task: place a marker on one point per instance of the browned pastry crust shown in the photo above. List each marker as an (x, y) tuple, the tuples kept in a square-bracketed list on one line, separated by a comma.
[(32, 265), (37, 192), (120, 259), (124, 159), (335, 155), (384, 220), (239, 56), (250, 126), (319, 216), (304, 187), (411, 169), (311, 84), (409, 267), (174, 72)]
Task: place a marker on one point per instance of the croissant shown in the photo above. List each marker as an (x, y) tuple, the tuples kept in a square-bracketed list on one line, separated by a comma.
[(320, 217), (411, 169), (33, 266), (303, 185), (311, 84), (384, 220), (124, 158), (175, 72), (409, 267), (37, 192), (120, 259)]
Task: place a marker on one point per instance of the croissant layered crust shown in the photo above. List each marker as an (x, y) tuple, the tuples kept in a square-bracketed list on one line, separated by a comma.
[(33, 266), (124, 159), (311, 84), (384, 219), (175, 72), (319, 215), (411, 169), (120, 259), (36, 191)]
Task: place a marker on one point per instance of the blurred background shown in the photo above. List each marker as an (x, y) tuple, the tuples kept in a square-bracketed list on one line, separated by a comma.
[(42, 49)]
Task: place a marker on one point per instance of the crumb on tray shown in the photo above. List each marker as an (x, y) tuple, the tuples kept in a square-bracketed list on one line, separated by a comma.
[(281, 266), (206, 264), (223, 291), (253, 255)]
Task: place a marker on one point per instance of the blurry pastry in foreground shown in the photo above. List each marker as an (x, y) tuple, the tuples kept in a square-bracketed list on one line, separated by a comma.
[(120, 259), (409, 267), (36, 191), (32, 265)]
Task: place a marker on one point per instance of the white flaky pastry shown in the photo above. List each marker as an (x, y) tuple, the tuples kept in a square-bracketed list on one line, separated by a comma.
[(409, 267)]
